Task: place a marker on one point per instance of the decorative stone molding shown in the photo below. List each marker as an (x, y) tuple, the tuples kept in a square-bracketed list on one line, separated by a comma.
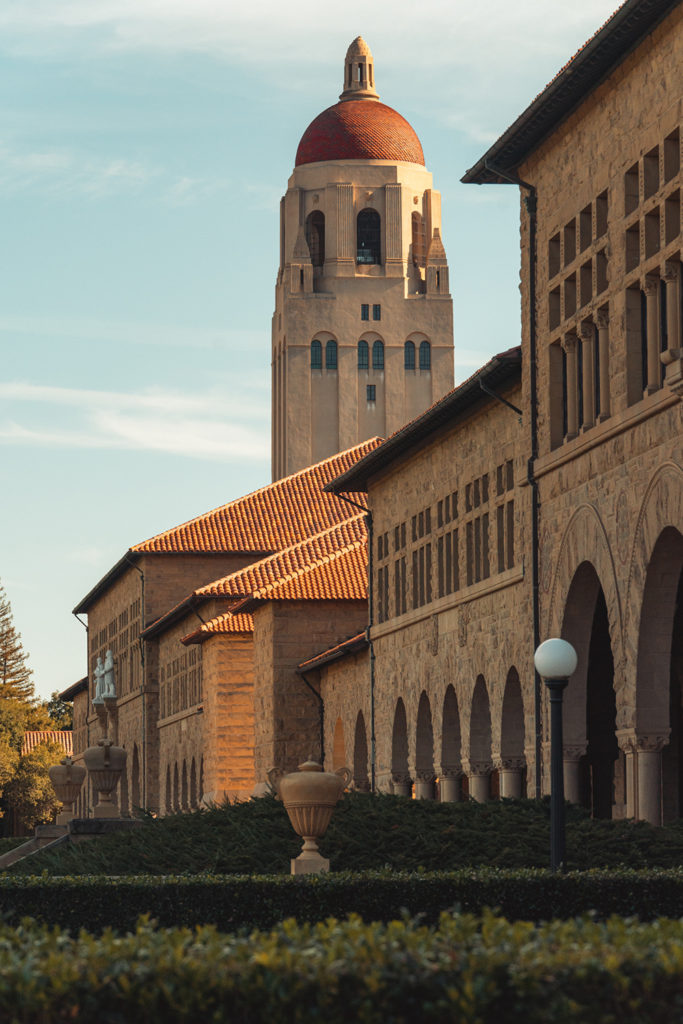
[(401, 779), (631, 741), (573, 752), (602, 319), (509, 764), (451, 773), (479, 767), (425, 776)]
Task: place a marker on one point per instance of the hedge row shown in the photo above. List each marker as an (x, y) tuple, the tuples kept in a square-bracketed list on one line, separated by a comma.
[(466, 969), (231, 903)]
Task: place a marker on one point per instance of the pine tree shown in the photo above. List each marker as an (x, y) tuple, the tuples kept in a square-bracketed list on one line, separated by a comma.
[(15, 674)]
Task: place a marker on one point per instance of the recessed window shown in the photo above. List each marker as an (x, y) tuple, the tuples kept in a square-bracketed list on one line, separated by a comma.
[(363, 355), (316, 355), (331, 355), (364, 311), (425, 355), (368, 232), (315, 236), (377, 355), (371, 392), (376, 312), (409, 355)]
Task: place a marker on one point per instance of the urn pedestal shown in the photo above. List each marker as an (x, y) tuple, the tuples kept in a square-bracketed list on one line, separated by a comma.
[(105, 764), (67, 779), (310, 795)]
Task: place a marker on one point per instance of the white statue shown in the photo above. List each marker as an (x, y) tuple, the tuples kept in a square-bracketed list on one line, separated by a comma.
[(109, 689), (98, 673)]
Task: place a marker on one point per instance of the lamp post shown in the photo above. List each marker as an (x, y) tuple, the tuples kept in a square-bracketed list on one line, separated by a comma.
[(555, 661)]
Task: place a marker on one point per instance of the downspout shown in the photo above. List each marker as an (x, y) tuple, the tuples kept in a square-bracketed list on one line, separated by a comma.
[(531, 203), (368, 523), (142, 685), (321, 715)]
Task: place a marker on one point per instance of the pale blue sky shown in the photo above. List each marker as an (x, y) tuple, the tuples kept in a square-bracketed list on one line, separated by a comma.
[(144, 147)]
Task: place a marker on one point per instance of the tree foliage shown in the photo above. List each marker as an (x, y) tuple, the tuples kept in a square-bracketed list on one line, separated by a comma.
[(15, 674), (29, 791), (60, 712)]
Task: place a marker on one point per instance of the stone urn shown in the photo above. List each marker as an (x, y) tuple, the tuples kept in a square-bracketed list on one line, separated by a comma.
[(67, 779), (105, 763), (309, 795)]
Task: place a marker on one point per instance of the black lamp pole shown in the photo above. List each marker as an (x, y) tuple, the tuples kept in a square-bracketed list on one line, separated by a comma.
[(557, 838)]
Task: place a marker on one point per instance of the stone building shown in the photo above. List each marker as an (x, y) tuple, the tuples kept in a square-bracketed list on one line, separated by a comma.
[(363, 323)]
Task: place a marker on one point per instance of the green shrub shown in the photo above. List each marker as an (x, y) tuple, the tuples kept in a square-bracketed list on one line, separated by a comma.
[(231, 902), (8, 843), (366, 833), (466, 969)]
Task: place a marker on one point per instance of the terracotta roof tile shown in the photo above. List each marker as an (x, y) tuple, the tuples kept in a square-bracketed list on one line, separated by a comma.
[(275, 517), (34, 738), (239, 622), (359, 130), (353, 645)]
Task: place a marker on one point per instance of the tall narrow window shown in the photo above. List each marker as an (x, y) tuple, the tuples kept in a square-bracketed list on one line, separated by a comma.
[(316, 355), (377, 355), (377, 311), (315, 236), (331, 355), (371, 392), (368, 237), (364, 311), (363, 355), (409, 355), (425, 355)]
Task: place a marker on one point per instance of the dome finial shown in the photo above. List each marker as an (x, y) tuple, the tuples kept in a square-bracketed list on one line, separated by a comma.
[(359, 72)]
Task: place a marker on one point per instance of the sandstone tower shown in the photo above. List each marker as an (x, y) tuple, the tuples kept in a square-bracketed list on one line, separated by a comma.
[(363, 323)]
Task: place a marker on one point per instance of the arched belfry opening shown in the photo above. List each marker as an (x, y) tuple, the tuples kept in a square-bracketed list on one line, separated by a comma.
[(315, 237), (368, 237)]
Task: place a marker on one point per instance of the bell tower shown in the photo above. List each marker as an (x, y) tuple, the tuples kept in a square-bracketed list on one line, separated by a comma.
[(362, 337)]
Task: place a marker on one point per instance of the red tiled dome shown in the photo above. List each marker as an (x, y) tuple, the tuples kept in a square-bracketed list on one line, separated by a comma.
[(359, 130)]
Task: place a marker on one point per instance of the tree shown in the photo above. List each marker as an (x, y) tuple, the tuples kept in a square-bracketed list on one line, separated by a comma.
[(60, 712), (29, 792), (15, 674)]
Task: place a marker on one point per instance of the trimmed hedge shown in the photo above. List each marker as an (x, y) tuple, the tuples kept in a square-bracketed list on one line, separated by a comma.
[(233, 902), (366, 833), (8, 843), (465, 970)]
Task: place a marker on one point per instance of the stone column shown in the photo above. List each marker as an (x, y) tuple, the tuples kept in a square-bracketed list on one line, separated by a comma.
[(649, 776), (672, 277), (450, 783), (402, 784), (602, 321), (393, 257), (424, 785), (345, 256), (571, 755), (587, 336), (480, 780), (510, 776), (570, 343), (626, 738), (654, 368)]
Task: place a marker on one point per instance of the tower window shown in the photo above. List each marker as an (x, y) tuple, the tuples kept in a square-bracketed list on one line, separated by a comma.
[(315, 237), (364, 311), (377, 355), (425, 355), (331, 355), (409, 355), (316, 355), (371, 392), (377, 312), (368, 231), (363, 356)]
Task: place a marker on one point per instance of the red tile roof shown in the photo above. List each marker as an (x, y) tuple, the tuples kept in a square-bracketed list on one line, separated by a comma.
[(239, 622), (34, 738), (270, 519), (359, 130), (353, 645)]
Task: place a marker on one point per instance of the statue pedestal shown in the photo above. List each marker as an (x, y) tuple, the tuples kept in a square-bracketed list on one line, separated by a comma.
[(309, 861)]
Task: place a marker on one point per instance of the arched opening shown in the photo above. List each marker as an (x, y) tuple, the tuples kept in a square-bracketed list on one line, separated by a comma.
[(123, 798), (168, 802), (361, 780), (338, 746), (480, 743), (593, 765), (193, 785), (409, 355), (425, 355), (378, 355), (315, 236), (363, 356), (400, 772), (511, 771), (316, 355), (331, 355), (451, 754), (659, 683), (135, 780), (368, 237), (176, 788), (184, 793), (424, 751), (417, 239)]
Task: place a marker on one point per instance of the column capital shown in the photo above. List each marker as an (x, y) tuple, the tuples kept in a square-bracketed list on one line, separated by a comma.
[(586, 331), (650, 284), (451, 773), (631, 741), (671, 271), (573, 751), (569, 342), (425, 775), (479, 767), (602, 319), (402, 778), (509, 764)]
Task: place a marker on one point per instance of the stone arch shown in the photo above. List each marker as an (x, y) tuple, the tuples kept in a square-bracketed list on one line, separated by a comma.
[(424, 750), (480, 764), (193, 785), (512, 736), (338, 746), (168, 805), (451, 747), (400, 770), (135, 780), (184, 787), (361, 780), (176, 788)]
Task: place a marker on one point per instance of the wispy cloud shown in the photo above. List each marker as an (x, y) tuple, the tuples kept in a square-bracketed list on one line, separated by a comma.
[(202, 426)]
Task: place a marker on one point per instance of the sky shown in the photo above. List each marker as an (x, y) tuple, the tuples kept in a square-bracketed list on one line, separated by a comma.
[(144, 147)]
